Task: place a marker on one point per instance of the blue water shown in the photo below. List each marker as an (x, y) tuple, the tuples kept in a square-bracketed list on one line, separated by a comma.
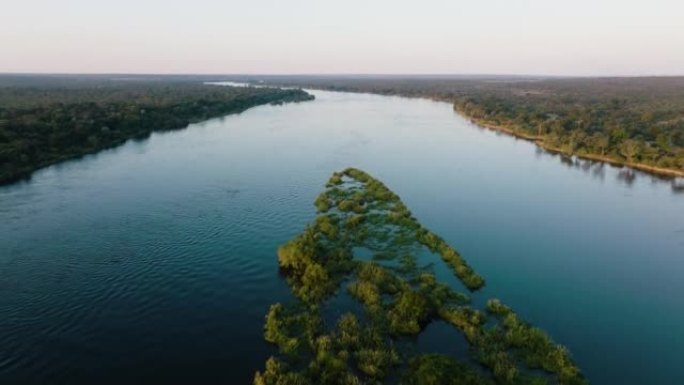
[(155, 262)]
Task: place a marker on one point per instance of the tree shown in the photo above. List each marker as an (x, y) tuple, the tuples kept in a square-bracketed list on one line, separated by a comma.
[(617, 135), (629, 148), (664, 142), (651, 152), (599, 142), (575, 138)]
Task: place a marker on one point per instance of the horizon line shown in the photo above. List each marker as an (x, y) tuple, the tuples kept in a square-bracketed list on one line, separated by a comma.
[(340, 74)]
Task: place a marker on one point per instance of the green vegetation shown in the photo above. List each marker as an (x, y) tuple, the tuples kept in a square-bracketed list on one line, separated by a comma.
[(435, 369), (399, 296), (45, 120), (629, 121), (644, 132), (533, 345)]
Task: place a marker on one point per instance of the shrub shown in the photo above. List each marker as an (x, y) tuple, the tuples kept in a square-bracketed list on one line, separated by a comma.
[(322, 203), (436, 369), (408, 314), (276, 373), (348, 331), (398, 299), (376, 362), (279, 327), (327, 225), (315, 284), (298, 253)]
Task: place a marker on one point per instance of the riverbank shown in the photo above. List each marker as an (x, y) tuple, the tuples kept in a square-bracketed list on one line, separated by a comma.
[(46, 125), (643, 102), (539, 140)]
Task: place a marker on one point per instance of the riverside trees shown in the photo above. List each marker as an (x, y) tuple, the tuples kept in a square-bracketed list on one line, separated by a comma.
[(624, 120), (42, 123)]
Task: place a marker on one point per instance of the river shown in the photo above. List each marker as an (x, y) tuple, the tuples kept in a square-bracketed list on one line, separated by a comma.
[(155, 261)]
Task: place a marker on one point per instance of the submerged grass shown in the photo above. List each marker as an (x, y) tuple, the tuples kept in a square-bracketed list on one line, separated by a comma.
[(399, 299)]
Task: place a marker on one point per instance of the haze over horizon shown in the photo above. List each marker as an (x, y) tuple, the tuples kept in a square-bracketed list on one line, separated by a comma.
[(522, 37)]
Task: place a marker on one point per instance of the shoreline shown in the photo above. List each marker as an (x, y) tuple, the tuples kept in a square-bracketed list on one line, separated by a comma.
[(26, 173), (653, 170), (539, 141)]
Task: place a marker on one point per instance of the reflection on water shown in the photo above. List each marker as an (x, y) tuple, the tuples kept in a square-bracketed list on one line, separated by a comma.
[(678, 185), (627, 176), (624, 175)]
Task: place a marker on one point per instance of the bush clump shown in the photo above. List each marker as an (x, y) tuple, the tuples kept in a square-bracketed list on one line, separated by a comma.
[(436, 369), (367, 344)]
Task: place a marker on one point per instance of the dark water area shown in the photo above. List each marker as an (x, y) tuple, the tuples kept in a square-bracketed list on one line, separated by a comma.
[(155, 262)]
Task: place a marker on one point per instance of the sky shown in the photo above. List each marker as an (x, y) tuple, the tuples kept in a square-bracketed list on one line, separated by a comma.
[(541, 37)]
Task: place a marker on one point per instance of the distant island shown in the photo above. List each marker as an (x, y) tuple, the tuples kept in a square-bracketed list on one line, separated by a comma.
[(48, 119), (636, 122), (366, 257)]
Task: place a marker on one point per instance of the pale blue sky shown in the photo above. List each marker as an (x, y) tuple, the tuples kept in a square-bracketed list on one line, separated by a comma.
[(578, 37)]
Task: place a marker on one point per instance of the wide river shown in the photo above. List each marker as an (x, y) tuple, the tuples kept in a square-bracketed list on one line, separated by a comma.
[(155, 262)]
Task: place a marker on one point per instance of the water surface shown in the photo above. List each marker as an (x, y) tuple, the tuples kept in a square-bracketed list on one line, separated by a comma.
[(155, 261)]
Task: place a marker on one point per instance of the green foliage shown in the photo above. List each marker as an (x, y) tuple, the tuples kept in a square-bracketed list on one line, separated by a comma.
[(335, 179), (534, 346), (311, 281), (298, 253), (409, 313), (399, 299), (279, 329), (276, 373), (322, 203), (439, 294), (469, 321), (42, 123), (348, 331), (327, 225), (346, 205), (590, 124), (367, 293), (435, 369), (315, 284), (354, 221), (624, 120), (451, 257), (376, 363)]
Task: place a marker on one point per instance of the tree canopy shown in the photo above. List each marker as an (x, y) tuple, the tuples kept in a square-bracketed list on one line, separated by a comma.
[(45, 120)]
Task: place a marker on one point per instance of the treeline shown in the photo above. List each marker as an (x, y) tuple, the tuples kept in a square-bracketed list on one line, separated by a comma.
[(42, 123), (648, 132), (633, 121)]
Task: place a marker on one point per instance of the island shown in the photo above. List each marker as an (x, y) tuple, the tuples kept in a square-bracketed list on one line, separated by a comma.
[(48, 119), (363, 278)]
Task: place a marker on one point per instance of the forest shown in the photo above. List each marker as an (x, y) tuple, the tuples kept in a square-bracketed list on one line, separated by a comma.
[(388, 300), (638, 122), (48, 119)]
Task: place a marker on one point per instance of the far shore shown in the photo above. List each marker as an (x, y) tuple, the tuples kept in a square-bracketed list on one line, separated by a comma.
[(539, 140)]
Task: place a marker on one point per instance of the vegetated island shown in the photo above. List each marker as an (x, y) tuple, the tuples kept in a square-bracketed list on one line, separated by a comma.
[(635, 122), (367, 255), (46, 120)]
